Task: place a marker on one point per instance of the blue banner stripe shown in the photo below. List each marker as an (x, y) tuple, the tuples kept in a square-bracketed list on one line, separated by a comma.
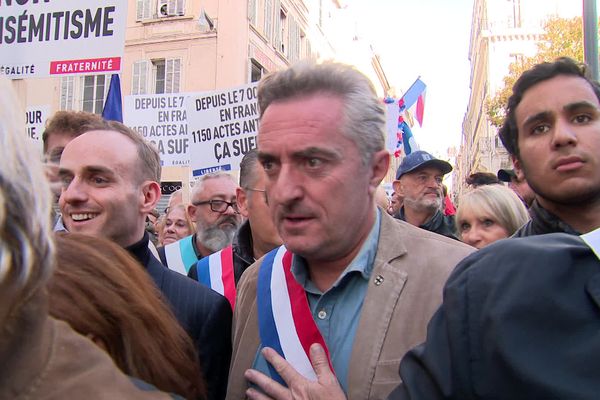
[(203, 269), (266, 322)]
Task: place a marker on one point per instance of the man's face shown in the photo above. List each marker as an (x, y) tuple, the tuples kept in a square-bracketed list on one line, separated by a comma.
[(215, 229), (320, 193), (101, 193), (522, 189), (422, 189), (558, 121), (55, 144), (253, 205)]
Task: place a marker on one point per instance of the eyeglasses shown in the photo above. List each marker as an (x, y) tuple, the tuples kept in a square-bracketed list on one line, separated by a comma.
[(219, 206), (263, 191)]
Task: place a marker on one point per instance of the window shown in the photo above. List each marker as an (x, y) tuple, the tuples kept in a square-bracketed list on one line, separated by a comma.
[(269, 20), (150, 9), (166, 75), (143, 10), (139, 84), (252, 14), (283, 31), (67, 92), (84, 93), (170, 8), (256, 71), (94, 90)]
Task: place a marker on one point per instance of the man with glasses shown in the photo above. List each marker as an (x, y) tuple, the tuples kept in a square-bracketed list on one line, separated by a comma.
[(215, 211), (419, 182), (256, 236)]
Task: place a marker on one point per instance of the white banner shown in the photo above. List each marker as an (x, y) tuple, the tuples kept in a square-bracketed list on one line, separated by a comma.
[(223, 125), (161, 119), (40, 38), (35, 122)]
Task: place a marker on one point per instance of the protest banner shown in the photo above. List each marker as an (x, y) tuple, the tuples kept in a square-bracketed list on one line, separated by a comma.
[(40, 38), (35, 122), (223, 125), (161, 119)]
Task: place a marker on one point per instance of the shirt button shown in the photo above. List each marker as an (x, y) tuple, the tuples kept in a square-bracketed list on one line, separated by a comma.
[(322, 314)]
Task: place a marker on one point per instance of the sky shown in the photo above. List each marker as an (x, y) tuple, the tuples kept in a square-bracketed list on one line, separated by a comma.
[(430, 39)]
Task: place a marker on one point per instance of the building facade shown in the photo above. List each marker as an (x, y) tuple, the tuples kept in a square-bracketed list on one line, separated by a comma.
[(178, 46)]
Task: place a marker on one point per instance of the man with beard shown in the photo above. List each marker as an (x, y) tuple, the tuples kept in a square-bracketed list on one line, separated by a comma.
[(214, 210), (419, 182)]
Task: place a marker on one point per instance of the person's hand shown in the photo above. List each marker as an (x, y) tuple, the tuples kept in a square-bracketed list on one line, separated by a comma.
[(299, 388)]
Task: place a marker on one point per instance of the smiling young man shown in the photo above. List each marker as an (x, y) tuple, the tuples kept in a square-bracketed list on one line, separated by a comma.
[(110, 183), (360, 280)]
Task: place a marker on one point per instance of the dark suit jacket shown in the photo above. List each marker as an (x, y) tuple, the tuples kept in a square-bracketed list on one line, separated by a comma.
[(520, 320), (203, 313)]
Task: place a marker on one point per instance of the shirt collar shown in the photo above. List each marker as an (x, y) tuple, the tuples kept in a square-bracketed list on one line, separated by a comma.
[(362, 263)]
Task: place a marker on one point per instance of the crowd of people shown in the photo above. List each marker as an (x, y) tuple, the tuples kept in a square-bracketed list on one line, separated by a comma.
[(302, 280)]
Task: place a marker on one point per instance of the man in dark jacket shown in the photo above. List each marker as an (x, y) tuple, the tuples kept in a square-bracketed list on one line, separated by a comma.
[(110, 183), (419, 182)]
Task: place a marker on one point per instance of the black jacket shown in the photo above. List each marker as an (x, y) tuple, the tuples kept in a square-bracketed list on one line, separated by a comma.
[(243, 253), (520, 320), (439, 223), (543, 221), (203, 313)]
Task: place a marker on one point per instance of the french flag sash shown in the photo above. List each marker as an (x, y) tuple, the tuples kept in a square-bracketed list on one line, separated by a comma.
[(216, 272), (285, 321)]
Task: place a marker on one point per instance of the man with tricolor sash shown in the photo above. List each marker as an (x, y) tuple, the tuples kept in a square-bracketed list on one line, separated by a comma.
[(520, 318), (214, 210), (256, 236), (349, 276)]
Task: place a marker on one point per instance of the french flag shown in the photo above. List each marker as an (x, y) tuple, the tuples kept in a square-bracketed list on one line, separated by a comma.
[(415, 95)]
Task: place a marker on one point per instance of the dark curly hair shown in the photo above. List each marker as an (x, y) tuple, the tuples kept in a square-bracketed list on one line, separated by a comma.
[(509, 133)]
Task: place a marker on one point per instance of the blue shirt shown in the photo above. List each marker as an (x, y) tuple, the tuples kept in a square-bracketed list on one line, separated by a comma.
[(337, 311)]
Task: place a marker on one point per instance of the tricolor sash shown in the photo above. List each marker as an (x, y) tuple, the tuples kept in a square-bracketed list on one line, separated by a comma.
[(216, 272), (285, 321), (592, 239), (180, 255)]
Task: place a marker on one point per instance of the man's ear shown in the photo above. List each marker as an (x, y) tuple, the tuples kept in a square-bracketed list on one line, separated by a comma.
[(379, 168), (151, 194), (518, 168), (396, 186), (191, 209), (242, 201)]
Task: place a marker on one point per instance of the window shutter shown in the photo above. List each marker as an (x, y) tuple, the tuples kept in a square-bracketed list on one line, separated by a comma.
[(173, 75), (277, 20), (269, 20), (180, 7), (139, 84)]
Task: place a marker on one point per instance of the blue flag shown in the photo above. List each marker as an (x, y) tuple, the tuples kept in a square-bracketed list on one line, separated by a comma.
[(408, 140), (113, 108)]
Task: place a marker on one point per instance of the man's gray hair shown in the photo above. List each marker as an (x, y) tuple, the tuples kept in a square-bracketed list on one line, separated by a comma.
[(26, 246), (199, 184), (364, 113)]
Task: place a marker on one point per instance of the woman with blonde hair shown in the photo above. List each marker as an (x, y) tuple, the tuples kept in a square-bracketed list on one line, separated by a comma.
[(175, 225), (489, 213), (104, 294)]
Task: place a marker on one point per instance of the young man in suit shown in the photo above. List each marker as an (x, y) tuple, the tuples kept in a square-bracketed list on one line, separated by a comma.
[(110, 183)]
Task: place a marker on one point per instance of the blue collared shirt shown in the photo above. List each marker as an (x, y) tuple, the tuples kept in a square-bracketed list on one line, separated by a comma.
[(337, 311)]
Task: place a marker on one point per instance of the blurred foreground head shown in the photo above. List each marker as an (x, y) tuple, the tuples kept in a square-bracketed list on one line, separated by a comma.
[(104, 294), (26, 250)]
